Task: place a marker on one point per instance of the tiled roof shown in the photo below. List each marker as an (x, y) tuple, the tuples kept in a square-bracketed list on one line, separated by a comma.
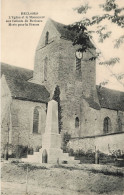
[(16, 72), (22, 89), (66, 33), (110, 99), (62, 29), (92, 102), (106, 98)]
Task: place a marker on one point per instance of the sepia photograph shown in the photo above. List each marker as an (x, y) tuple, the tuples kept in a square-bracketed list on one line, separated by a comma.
[(62, 97)]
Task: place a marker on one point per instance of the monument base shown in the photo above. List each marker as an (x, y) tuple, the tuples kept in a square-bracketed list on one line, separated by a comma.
[(51, 149), (51, 140), (51, 155)]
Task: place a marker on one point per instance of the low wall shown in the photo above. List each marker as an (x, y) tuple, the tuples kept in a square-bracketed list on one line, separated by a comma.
[(103, 143)]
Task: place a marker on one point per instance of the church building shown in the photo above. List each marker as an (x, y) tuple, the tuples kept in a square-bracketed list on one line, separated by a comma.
[(92, 115)]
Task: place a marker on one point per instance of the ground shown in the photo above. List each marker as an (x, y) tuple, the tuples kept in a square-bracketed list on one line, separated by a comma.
[(60, 180)]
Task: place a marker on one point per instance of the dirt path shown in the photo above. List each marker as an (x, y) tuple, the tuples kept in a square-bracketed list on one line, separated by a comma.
[(58, 181), (20, 189)]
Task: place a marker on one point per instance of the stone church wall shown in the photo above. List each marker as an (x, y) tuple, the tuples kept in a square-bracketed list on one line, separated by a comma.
[(92, 135), (22, 123), (51, 52), (69, 77), (92, 120), (105, 144), (6, 100), (4, 132)]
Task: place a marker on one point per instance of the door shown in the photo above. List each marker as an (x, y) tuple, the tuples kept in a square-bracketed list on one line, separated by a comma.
[(44, 156)]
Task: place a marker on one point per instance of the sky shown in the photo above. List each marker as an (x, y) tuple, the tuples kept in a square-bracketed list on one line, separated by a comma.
[(18, 44)]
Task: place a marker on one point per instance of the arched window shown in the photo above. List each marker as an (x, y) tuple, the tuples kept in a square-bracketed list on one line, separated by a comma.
[(119, 124), (45, 68), (46, 38), (36, 120), (44, 156), (76, 122), (78, 64), (107, 125)]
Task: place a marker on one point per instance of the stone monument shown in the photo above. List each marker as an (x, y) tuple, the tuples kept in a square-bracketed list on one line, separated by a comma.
[(51, 140)]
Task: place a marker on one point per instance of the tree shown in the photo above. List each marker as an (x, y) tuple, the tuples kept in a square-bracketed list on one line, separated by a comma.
[(56, 97), (85, 29)]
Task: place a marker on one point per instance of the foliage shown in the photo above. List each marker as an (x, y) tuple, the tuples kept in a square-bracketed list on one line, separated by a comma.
[(8, 151), (81, 152), (31, 166), (110, 11), (119, 41), (120, 76), (66, 138), (56, 97), (83, 9), (85, 157), (109, 5), (38, 148), (22, 151), (71, 152), (112, 61), (81, 32), (103, 83), (89, 156), (108, 172), (117, 154)]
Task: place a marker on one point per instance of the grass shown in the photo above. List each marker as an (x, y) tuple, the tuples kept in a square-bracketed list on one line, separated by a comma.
[(105, 171), (29, 165), (60, 179)]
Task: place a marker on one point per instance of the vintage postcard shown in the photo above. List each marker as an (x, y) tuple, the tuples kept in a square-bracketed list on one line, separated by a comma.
[(62, 97)]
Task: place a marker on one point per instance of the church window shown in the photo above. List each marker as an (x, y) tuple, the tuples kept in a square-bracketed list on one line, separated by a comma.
[(107, 125), (78, 64), (76, 122), (45, 68), (119, 120), (119, 124), (46, 38), (36, 120)]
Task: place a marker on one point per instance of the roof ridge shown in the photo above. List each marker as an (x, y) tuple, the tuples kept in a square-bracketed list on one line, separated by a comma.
[(63, 30), (22, 80), (57, 22), (13, 66), (114, 90), (24, 90)]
